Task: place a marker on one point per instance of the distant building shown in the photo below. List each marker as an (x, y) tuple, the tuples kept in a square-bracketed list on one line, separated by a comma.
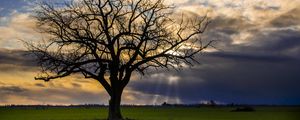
[(209, 103)]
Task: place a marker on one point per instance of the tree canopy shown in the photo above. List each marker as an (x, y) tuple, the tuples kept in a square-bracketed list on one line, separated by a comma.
[(114, 38)]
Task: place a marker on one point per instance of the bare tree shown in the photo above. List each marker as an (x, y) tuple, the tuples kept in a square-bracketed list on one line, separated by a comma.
[(108, 40)]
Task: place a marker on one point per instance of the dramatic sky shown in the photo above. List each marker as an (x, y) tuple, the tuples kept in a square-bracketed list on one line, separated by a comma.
[(257, 60)]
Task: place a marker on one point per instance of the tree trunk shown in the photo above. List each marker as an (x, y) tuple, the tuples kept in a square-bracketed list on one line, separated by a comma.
[(114, 106)]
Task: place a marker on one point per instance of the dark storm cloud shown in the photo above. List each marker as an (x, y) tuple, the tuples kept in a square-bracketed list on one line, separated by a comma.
[(279, 42), (254, 58), (223, 28), (258, 7), (39, 85), (229, 25), (264, 71), (11, 89), (230, 80), (11, 59), (7, 91)]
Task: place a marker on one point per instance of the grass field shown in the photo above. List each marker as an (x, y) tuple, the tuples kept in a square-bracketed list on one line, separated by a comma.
[(152, 113)]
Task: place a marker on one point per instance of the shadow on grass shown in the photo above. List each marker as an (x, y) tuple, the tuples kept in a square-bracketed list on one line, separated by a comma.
[(124, 119)]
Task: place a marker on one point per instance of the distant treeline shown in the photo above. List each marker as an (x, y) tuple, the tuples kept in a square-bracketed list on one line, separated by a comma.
[(129, 105)]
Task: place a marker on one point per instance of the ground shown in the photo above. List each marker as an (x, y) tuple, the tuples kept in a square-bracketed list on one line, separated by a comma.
[(152, 113)]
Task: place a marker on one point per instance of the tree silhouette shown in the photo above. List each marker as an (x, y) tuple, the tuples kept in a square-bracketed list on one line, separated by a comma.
[(108, 40)]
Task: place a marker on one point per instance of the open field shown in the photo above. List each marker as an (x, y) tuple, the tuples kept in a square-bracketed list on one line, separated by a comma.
[(152, 113)]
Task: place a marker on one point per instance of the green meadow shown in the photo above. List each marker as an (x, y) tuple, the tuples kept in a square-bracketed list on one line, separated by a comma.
[(152, 113)]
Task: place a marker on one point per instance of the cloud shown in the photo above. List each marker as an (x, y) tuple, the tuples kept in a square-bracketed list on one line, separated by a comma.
[(227, 79), (64, 92), (255, 58), (290, 18), (16, 60), (19, 27), (54, 96), (256, 64), (21, 88), (39, 85), (76, 85), (17, 84), (11, 89)]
